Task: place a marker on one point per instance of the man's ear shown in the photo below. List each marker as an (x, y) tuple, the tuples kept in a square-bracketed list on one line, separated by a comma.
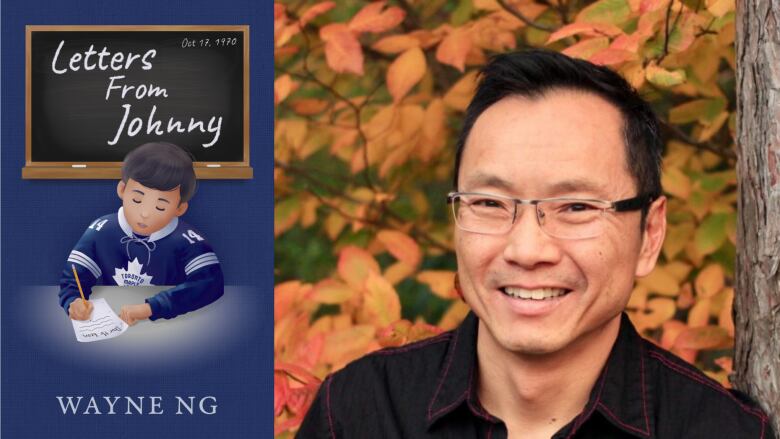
[(120, 189), (182, 208), (652, 237)]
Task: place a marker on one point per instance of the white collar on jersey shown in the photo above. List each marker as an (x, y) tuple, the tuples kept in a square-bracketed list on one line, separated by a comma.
[(160, 234)]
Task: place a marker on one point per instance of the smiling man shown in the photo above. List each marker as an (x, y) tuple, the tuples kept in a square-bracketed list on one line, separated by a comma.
[(145, 243), (558, 209)]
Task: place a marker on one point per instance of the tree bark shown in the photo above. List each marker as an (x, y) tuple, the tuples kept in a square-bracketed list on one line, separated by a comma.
[(757, 298)]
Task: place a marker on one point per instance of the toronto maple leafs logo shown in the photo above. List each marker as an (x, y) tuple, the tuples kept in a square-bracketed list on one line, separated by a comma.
[(132, 276)]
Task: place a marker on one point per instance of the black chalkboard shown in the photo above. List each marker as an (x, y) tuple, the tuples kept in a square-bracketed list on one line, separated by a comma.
[(95, 93)]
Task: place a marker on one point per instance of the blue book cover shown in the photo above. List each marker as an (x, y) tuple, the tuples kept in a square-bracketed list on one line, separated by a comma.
[(195, 362)]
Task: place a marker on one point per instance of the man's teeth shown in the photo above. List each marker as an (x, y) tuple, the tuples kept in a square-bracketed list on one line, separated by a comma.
[(538, 294)]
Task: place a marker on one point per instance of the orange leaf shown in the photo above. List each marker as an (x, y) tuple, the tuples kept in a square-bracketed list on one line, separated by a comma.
[(459, 96), (671, 330), (706, 337), (589, 29), (394, 334), (441, 282), (661, 310), (396, 44), (610, 56), (309, 106), (725, 319), (354, 266), (454, 48), (331, 291), (381, 301), (454, 315), (661, 281), (586, 48), (281, 391), (283, 86), (373, 19), (710, 280), (405, 72), (312, 12), (285, 294), (342, 49), (401, 246), (433, 131), (347, 344), (699, 315)]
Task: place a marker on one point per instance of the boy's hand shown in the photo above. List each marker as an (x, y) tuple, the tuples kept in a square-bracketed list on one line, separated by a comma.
[(80, 309), (133, 313)]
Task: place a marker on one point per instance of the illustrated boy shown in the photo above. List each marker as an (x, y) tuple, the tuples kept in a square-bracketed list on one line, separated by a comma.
[(145, 243)]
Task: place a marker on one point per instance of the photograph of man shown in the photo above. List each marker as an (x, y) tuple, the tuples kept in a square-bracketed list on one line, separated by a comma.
[(558, 209)]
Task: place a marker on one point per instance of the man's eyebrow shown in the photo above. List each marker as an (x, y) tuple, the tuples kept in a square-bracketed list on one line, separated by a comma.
[(560, 187), (136, 190)]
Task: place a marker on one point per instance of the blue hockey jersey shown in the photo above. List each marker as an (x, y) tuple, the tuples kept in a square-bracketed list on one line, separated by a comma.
[(110, 253)]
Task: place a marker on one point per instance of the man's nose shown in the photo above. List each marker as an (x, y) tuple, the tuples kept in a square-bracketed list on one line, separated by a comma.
[(527, 245)]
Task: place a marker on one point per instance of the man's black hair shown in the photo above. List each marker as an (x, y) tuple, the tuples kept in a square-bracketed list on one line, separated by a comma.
[(533, 73), (162, 166)]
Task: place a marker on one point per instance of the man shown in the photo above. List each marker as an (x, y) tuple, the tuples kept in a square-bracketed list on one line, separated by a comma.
[(559, 207)]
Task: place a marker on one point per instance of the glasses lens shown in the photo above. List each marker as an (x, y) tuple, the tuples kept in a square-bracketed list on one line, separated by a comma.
[(572, 219), (483, 214)]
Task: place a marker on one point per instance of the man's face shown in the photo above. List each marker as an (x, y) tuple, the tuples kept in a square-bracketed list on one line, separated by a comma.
[(148, 210), (565, 144)]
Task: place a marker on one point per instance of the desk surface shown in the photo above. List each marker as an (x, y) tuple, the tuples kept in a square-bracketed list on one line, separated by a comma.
[(215, 328)]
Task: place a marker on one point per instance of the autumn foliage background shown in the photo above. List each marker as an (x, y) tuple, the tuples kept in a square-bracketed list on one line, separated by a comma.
[(369, 98)]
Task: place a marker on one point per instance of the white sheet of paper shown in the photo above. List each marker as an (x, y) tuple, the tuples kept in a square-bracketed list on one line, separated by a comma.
[(102, 325)]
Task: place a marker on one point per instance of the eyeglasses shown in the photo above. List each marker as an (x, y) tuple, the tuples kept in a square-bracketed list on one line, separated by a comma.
[(564, 218)]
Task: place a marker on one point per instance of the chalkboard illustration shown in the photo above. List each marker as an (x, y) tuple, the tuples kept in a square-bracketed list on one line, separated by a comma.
[(145, 242), (127, 85)]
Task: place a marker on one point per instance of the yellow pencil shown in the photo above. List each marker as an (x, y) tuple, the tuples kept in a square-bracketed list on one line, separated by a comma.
[(78, 283)]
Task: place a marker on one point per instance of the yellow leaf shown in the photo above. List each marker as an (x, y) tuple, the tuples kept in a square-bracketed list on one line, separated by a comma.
[(398, 272), (699, 314), (661, 309), (381, 301), (712, 128), (638, 299), (675, 182), (331, 291), (710, 280), (355, 265), (405, 72), (396, 44), (662, 77), (372, 18), (454, 48), (286, 214), (459, 96), (634, 74), (725, 319), (441, 282), (401, 246), (342, 49), (614, 12), (661, 281)]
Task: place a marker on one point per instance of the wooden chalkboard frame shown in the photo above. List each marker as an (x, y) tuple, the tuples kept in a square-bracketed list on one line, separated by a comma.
[(111, 170)]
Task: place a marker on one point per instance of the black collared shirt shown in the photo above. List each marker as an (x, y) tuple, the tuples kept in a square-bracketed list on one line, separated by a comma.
[(427, 389)]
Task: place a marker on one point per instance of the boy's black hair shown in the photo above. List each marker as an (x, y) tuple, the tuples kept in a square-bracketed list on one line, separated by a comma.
[(162, 166), (533, 73)]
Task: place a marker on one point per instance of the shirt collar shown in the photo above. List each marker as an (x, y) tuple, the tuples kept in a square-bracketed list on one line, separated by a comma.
[(620, 394), (160, 234)]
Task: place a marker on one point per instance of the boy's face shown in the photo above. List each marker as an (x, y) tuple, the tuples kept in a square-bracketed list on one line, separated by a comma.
[(148, 210)]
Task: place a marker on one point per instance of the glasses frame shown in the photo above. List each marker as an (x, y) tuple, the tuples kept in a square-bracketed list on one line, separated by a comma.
[(627, 205)]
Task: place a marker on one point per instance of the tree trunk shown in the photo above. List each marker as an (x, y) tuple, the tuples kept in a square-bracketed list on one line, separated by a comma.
[(757, 298)]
